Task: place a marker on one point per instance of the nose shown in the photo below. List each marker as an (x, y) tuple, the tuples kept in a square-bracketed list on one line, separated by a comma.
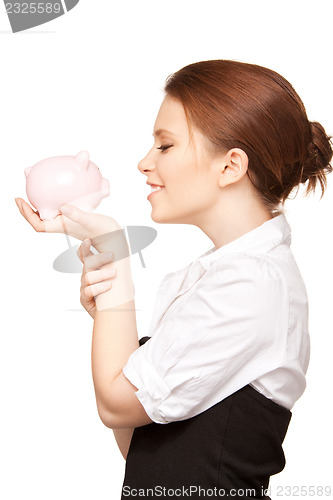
[(146, 164)]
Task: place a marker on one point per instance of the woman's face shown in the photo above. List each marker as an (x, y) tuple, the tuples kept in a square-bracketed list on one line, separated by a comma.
[(184, 170)]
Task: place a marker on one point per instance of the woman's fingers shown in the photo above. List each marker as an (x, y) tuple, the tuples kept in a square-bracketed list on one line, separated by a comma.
[(56, 225), (92, 262), (94, 280), (76, 223), (84, 250), (98, 276), (30, 215), (90, 291), (72, 212)]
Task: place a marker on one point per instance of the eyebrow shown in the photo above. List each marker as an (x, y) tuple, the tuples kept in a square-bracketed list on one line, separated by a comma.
[(160, 131)]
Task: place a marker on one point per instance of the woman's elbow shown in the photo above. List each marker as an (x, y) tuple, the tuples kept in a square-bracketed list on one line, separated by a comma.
[(109, 419), (104, 415)]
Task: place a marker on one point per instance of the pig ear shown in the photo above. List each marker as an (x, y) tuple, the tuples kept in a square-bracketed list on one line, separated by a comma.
[(27, 170), (82, 160)]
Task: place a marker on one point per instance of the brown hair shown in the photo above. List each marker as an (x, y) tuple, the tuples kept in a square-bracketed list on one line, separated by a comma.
[(247, 106)]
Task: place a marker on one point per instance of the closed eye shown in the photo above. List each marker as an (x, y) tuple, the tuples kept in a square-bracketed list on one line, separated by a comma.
[(164, 148)]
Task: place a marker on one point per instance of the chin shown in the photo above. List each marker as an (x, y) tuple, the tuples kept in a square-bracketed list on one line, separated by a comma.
[(155, 218), (167, 220)]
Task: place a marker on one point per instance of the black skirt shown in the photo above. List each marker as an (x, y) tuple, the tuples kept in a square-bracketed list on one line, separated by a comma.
[(229, 450)]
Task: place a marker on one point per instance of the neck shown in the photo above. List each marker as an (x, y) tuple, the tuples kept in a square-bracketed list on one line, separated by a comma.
[(232, 218)]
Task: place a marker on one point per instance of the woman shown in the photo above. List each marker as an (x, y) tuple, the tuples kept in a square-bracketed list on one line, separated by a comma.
[(209, 391)]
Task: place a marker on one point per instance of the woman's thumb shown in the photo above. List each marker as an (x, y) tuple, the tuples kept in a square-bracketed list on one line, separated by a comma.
[(71, 212)]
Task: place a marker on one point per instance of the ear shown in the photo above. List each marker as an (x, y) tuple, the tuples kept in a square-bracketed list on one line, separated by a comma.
[(82, 160), (235, 164)]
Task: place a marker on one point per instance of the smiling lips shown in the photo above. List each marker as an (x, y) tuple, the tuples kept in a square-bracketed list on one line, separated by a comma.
[(155, 189)]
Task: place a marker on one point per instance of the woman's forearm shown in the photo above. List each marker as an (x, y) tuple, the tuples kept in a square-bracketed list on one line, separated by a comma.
[(115, 334), (123, 438), (114, 339)]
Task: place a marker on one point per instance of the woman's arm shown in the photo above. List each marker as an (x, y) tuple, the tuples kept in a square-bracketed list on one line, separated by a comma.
[(115, 338), (93, 283), (123, 438)]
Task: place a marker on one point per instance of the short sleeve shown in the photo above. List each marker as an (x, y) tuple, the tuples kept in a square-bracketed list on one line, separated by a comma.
[(228, 330)]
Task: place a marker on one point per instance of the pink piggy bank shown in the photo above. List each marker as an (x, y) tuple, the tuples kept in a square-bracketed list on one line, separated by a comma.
[(65, 179)]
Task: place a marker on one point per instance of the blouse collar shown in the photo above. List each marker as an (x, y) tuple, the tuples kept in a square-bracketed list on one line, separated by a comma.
[(262, 239)]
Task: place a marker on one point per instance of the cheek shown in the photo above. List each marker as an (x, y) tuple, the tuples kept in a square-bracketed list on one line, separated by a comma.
[(190, 193), (182, 176)]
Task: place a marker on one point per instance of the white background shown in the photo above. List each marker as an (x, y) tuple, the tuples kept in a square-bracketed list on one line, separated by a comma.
[(93, 80)]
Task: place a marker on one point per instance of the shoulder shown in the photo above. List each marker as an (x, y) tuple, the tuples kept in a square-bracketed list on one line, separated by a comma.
[(246, 286), (244, 267)]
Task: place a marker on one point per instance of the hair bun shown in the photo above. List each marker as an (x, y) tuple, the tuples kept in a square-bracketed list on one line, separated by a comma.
[(317, 163)]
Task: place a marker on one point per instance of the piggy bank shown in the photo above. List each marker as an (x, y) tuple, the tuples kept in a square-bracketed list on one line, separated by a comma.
[(65, 179)]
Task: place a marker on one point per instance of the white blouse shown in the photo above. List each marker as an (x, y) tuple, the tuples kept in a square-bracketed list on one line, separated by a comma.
[(237, 315)]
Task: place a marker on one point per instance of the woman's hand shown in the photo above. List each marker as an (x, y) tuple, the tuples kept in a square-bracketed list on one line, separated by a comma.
[(96, 275), (80, 225)]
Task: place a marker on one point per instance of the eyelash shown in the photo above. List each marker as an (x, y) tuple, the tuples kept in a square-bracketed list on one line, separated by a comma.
[(164, 148)]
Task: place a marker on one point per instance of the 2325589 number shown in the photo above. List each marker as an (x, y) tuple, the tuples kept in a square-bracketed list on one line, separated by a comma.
[(33, 8)]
